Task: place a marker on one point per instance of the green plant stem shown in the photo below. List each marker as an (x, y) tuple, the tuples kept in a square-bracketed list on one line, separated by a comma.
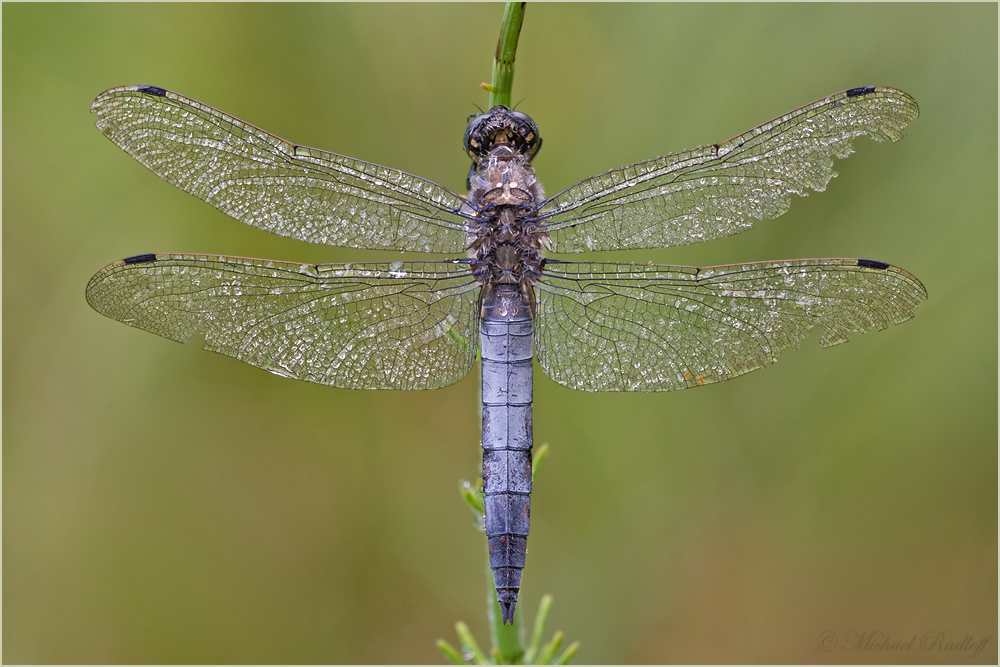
[(539, 629), (469, 644), (568, 654), (450, 653), (503, 62), (545, 657)]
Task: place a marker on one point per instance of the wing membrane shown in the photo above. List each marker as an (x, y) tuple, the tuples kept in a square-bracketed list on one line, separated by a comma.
[(356, 326), (271, 184), (631, 327), (716, 191)]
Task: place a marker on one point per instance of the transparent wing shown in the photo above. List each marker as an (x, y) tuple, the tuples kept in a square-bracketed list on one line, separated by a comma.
[(716, 191), (356, 326), (632, 327), (271, 184)]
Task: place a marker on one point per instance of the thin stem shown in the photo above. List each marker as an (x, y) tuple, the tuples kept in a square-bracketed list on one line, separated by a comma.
[(568, 654), (545, 657), (503, 62), (536, 634), (450, 653), (469, 644)]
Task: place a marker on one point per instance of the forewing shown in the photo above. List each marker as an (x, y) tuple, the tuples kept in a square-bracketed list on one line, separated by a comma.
[(356, 326), (716, 191), (271, 184), (632, 327)]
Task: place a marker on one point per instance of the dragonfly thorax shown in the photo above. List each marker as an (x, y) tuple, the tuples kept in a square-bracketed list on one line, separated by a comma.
[(505, 246)]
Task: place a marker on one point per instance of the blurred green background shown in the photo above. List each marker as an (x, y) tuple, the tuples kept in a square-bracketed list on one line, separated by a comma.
[(162, 504)]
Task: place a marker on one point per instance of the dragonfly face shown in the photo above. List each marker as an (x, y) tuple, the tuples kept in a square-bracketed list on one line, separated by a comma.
[(501, 125), (418, 325)]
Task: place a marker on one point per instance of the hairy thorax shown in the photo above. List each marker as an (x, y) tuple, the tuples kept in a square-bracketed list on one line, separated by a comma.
[(505, 245)]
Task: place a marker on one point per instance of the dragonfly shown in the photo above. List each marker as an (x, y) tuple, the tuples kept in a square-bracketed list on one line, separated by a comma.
[(592, 326)]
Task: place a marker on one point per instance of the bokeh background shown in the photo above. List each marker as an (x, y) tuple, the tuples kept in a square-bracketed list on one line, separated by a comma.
[(162, 504)]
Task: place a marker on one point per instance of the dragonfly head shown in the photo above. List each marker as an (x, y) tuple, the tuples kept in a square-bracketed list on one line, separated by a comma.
[(501, 126)]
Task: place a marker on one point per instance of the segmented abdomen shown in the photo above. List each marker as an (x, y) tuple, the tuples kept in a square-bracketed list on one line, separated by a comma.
[(506, 335)]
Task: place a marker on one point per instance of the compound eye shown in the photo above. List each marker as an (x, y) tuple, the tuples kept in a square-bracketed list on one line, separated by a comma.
[(472, 141), (529, 130)]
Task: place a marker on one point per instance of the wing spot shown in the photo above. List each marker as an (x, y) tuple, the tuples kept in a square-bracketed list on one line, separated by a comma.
[(152, 90), (872, 264), (858, 92), (140, 259)]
